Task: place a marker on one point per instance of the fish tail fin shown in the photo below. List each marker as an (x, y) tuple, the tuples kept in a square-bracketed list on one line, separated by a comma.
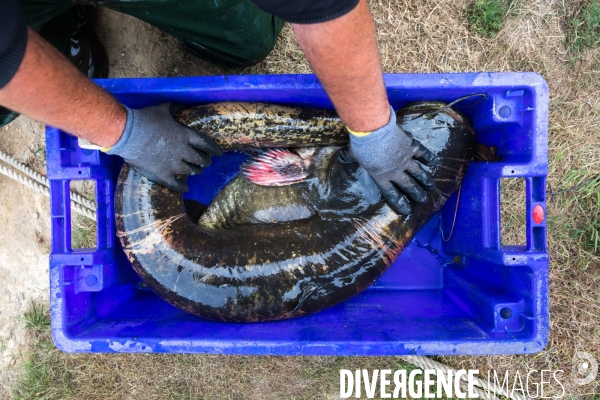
[(275, 167)]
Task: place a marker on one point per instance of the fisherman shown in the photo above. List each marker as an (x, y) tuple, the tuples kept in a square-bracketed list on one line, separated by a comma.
[(337, 37)]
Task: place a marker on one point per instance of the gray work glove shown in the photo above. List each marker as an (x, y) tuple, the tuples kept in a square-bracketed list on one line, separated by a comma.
[(389, 155), (160, 148)]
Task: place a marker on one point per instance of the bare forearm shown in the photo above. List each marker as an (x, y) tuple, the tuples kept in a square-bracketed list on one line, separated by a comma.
[(343, 53), (49, 89)]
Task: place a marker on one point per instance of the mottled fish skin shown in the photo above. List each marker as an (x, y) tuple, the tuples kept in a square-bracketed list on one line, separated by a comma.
[(239, 125), (340, 236)]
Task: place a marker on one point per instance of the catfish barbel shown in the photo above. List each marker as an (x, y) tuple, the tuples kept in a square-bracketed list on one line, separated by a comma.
[(261, 253)]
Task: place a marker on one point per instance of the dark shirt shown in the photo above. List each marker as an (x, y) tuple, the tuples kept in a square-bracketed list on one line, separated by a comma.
[(13, 29), (13, 39), (307, 11)]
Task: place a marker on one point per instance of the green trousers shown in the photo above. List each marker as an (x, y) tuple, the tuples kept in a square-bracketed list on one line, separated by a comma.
[(228, 33)]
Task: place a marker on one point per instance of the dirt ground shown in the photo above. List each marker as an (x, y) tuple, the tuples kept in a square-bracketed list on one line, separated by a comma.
[(419, 36), (24, 238)]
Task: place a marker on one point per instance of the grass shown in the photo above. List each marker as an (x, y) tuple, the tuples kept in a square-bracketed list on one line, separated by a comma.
[(584, 28), (83, 232), (588, 203), (589, 236), (35, 375), (583, 197), (36, 318), (486, 17)]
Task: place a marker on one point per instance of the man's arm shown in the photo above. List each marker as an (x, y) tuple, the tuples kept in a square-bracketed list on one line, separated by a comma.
[(48, 88), (343, 53)]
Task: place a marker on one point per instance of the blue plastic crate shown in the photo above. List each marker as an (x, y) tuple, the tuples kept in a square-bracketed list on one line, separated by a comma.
[(438, 298)]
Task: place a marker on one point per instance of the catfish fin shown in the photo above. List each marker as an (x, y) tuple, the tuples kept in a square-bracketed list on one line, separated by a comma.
[(275, 167)]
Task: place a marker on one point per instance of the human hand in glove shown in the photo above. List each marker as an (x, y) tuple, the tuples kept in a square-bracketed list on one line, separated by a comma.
[(159, 147), (389, 154)]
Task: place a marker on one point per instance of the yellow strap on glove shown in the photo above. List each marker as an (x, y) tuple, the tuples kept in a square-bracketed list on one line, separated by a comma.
[(358, 134), (84, 144)]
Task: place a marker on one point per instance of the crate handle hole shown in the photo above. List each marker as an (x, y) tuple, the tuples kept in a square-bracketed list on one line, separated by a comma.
[(505, 312), (83, 230), (513, 213), (79, 172)]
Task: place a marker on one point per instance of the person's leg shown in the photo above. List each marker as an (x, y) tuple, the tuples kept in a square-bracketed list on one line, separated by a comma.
[(7, 116), (69, 29), (228, 33), (39, 13)]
